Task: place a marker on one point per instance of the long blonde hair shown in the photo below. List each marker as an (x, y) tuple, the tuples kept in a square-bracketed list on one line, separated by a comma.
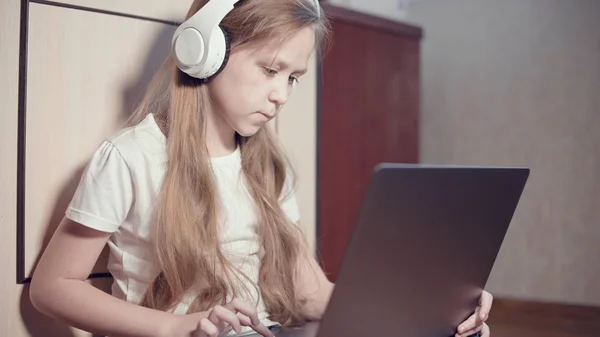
[(186, 235)]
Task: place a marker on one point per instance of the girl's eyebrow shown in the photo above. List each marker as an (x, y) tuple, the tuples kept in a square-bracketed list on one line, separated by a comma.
[(281, 64)]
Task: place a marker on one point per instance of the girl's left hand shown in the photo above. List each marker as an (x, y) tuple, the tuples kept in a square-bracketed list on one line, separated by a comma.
[(476, 323)]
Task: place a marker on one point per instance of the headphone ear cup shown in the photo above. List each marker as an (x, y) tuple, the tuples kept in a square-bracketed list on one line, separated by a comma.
[(188, 48)]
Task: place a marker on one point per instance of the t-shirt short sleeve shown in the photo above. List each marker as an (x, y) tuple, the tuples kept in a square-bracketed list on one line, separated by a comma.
[(105, 194), (289, 203)]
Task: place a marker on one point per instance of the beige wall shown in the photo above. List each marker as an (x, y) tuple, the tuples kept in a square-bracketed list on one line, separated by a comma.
[(297, 129), (75, 98), (516, 82)]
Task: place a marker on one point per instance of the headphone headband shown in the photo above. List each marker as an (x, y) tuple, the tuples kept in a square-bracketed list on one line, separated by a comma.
[(209, 16), (199, 45)]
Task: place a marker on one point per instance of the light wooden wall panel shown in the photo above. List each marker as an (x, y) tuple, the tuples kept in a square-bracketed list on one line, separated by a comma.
[(9, 78), (159, 10), (85, 70)]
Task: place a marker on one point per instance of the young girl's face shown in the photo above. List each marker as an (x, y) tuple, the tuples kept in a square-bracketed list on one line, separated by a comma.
[(258, 80)]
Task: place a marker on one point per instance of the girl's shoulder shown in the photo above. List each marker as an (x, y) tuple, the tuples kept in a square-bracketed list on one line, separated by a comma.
[(143, 139), (132, 153), (127, 163)]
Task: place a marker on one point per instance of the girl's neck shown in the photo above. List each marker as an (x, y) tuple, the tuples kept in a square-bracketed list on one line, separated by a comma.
[(220, 137)]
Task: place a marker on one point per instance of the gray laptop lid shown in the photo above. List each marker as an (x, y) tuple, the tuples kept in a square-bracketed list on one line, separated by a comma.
[(422, 250)]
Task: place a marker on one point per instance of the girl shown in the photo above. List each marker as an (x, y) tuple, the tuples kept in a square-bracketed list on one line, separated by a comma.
[(195, 198)]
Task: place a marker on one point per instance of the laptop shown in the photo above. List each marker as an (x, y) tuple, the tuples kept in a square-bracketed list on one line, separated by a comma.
[(421, 251)]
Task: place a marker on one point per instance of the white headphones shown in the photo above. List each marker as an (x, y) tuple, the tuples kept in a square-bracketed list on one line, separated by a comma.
[(199, 46)]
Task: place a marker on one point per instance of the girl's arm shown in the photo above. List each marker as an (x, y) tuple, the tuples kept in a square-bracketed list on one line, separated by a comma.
[(314, 286), (59, 290)]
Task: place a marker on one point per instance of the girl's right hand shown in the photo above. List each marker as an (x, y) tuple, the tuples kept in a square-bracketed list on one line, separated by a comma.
[(235, 314)]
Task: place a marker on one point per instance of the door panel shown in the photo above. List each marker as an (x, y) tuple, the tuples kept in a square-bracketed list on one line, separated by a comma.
[(369, 107)]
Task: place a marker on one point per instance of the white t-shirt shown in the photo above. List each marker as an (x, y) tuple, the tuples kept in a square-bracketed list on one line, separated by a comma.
[(117, 193)]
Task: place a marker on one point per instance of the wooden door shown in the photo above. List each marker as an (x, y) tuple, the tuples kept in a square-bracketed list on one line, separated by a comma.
[(368, 113)]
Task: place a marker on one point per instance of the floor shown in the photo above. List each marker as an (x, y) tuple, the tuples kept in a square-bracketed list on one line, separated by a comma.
[(514, 318)]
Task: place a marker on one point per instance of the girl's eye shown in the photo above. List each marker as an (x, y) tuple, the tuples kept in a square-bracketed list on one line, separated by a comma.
[(272, 72)]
